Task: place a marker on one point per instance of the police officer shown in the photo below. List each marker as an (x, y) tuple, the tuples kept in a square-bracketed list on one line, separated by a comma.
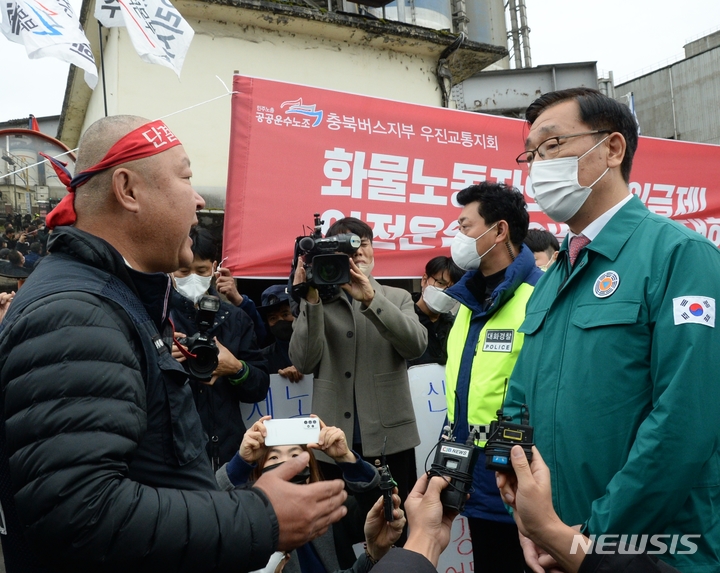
[(483, 346)]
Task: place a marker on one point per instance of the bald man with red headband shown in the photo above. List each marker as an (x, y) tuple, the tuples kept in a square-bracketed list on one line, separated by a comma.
[(102, 453)]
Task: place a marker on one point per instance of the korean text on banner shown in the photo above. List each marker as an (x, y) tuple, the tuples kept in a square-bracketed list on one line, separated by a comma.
[(49, 30), (297, 150), (159, 34)]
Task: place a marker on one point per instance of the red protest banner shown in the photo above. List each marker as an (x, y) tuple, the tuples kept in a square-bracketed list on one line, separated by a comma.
[(297, 150)]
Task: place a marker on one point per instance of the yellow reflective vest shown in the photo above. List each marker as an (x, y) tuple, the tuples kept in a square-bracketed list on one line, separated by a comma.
[(496, 351)]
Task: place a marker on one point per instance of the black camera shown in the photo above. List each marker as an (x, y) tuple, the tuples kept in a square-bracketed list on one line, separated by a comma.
[(455, 463), (503, 436), (203, 359), (325, 267)]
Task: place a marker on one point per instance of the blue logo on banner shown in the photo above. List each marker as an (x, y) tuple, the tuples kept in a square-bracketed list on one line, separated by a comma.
[(298, 107)]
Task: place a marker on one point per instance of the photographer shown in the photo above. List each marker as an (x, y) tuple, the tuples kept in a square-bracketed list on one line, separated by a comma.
[(334, 549), (356, 343), (241, 374)]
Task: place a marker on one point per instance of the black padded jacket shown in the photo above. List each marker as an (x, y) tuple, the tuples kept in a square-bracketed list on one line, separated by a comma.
[(102, 454)]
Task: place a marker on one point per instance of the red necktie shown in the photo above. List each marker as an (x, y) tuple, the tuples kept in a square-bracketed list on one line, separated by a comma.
[(577, 243)]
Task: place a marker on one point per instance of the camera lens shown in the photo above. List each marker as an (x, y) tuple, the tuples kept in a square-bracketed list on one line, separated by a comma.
[(205, 362), (328, 271)]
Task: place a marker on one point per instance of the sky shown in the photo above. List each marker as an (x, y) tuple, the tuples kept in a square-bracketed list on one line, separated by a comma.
[(627, 37)]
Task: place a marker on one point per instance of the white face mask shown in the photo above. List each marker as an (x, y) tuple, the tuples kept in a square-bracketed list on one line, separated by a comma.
[(436, 299), (556, 186), (464, 251), (192, 286), (366, 268)]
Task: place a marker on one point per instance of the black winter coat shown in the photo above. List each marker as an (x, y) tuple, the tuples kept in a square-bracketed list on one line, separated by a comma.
[(277, 356), (218, 405), (102, 459)]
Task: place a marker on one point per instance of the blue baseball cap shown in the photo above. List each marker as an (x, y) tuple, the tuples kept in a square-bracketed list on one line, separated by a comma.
[(272, 297)]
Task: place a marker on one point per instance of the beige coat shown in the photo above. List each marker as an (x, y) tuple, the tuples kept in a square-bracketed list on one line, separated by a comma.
[(359, 351)]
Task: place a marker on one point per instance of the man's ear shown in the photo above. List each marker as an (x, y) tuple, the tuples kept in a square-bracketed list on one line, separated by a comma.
[(616, 149), (125, 184), (503, 231)]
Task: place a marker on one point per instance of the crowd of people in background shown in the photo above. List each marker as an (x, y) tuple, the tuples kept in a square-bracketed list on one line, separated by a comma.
[(23, 244), (119, 450)]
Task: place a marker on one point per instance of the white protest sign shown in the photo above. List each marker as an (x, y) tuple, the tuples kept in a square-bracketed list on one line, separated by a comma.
[(427, 388), (284, 399)]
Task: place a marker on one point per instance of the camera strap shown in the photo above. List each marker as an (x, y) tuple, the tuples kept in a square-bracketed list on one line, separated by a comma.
[(184, 351)]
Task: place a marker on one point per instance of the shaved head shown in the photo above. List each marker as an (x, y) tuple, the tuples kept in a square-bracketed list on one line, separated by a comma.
[(93, 196), (144, 208)]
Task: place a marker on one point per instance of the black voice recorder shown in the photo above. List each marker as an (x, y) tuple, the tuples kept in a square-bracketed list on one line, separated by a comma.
[(503, 436)]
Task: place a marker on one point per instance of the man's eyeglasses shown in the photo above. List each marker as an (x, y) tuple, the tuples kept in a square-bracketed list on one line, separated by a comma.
[(439, 282), (550, 148)]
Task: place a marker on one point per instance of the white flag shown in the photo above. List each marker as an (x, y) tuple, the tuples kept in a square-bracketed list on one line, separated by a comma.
[(49, 30), (158, 32)]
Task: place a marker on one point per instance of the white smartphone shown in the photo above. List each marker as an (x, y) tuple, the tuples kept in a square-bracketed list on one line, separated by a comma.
[(290, 431)]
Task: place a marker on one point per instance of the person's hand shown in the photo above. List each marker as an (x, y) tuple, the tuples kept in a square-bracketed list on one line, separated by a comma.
[(225, 284), (5, 300), (291, 373), (429, 522), (227, 363), (303, 512), (528, 492), (381, 535), (176, 352), (536, 558), (313, 297), (333, 442), (543, 536), (359, 286), (253, 446)]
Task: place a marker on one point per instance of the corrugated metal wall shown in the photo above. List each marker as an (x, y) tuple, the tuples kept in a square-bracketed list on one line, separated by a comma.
[(681, 100)]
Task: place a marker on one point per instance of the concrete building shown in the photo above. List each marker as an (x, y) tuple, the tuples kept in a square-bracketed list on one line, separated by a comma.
[(680, 101), (509, 92), (341, 46)]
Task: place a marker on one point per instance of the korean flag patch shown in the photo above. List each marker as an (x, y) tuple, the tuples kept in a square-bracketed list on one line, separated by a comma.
[(697, 309)]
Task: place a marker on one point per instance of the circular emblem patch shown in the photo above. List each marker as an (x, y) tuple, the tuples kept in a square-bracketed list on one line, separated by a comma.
[(606, 284)]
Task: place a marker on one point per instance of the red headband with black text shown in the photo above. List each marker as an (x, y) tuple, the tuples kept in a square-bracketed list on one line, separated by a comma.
[(149, 139)]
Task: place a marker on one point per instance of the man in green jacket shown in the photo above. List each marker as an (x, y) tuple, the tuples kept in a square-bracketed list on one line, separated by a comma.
[(621, 353)]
